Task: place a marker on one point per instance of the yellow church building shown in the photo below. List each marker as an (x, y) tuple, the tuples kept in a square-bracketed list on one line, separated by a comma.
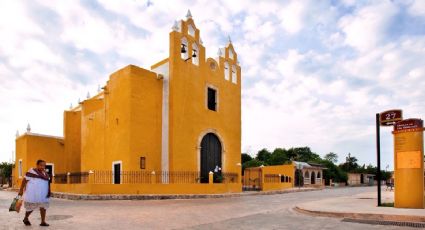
[(173, 129)]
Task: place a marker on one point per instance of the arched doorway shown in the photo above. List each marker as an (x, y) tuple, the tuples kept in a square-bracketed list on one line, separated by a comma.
[(313, 178), (210, 155)]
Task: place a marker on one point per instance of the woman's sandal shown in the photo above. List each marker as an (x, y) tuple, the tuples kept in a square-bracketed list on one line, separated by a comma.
[(44, 224), (26, 222)]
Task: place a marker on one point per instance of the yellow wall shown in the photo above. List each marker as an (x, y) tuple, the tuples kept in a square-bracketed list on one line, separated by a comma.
[(282, 170), (188, 88), (147, 188), (33, 147), (72, 135), (409, 182), (92, 134)]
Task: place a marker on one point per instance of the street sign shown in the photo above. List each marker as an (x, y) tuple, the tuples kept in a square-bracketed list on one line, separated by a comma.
[(390, 117), (409, 125)]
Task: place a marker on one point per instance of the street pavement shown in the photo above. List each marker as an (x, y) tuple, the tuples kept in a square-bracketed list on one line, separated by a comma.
[(246, 212)]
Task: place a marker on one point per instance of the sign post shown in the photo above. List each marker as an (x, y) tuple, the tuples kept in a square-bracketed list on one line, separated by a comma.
[(378, 157), (387, 118)]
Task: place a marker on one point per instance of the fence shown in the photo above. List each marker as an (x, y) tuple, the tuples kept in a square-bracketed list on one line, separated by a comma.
[(60, 178), (230, 177), (252, 179), (138, 177), (79, 177), (271, 178), (125, 177), (178, 177)]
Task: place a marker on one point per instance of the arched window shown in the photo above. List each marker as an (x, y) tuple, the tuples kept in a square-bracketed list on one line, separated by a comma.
[(234, 75), (191, 31), (195, 54), (231, 54), (184, 49), (306, 174), (319, 175), (290, 179), (226, 71)]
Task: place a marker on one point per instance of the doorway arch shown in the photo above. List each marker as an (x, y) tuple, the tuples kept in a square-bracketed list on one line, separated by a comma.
[(211, 155), (313, 178)]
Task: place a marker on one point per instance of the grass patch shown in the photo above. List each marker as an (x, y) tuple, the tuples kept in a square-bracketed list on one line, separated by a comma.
[(387, 204)]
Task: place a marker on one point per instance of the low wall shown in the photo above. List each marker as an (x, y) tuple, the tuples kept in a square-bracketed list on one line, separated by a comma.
[(97, 189), (275, 186)]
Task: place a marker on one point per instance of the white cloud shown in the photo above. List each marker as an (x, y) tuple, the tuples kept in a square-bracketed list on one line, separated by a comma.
[(367, 26)]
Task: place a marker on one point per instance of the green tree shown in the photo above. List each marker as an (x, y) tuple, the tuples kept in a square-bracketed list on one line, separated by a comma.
[(5, 171), (303, 154), (252, 163), (332, 157), (245, 157), (333, 172), (263, 155), (278, 157), (350, 164)]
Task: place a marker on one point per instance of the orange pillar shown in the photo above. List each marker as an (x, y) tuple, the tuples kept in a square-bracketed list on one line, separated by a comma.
[(408, 164)]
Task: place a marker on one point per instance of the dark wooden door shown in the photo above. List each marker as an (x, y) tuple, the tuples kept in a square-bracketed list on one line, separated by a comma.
[(210, 155), (117, 173)]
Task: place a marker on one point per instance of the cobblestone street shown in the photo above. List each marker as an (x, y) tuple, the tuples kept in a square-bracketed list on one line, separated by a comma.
[(248, 212)]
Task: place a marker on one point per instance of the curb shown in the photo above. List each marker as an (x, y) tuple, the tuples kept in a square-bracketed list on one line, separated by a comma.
[(362, 216), (70, 196)]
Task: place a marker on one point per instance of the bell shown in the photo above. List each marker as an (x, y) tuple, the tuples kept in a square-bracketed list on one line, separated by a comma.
[(183, 50), (194, 54)]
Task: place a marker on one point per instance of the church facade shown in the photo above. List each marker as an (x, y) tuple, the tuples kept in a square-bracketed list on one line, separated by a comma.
[(177, 123)]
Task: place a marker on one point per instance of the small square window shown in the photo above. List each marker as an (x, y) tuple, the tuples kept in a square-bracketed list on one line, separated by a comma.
[(142, 162), (212, 99)]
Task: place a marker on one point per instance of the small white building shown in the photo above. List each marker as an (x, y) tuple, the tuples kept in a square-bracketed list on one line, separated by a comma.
[(312, 174)]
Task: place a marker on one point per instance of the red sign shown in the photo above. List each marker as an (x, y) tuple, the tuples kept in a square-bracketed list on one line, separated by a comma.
[(390, 117), (409, 125)]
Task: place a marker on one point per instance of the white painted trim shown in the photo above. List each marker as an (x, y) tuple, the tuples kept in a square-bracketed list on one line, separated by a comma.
[(41, 135), (223, 148), (20, 168), (113, 171), (164, 70), (53, 168)]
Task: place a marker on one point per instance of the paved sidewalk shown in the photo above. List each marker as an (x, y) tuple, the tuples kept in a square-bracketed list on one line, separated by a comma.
[(361, 206)]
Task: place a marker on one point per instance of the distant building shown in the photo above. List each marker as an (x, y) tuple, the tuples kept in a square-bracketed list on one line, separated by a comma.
[(311, 174), (360, 179)]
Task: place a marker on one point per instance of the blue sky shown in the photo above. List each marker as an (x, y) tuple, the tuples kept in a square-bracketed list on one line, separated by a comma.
[(314, 73)]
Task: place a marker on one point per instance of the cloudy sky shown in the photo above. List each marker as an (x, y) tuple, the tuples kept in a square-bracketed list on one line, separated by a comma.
[(314, 72)]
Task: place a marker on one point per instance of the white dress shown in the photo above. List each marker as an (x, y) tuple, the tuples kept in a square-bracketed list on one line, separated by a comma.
[(36, 192)]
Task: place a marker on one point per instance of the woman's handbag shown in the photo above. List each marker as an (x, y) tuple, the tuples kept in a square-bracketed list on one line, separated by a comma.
[(16, 204)]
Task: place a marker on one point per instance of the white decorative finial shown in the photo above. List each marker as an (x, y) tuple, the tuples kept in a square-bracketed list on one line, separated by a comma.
[(98, 88), (189, 14), (79, 101), (175, 26), (17, 133), (219, 53), (88, 95), (229, 39), (70, 106), (200, 41), (28, 128)]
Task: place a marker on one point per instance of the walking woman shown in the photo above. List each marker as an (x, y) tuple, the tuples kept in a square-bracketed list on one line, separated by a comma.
[(36, 185)]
